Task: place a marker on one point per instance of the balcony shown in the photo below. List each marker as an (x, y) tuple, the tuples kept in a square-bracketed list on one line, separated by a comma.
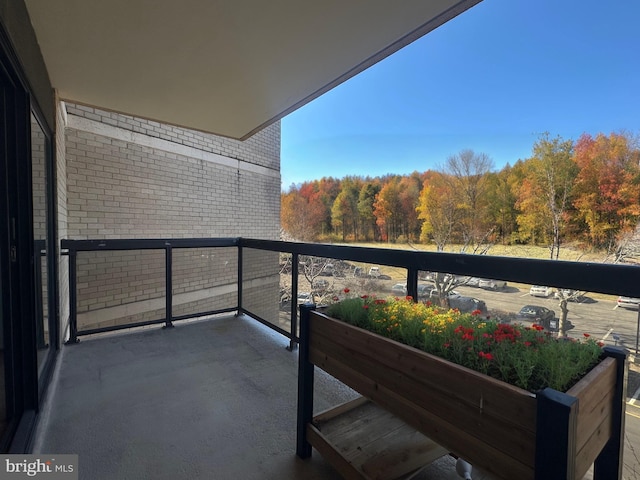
[(217, 397)]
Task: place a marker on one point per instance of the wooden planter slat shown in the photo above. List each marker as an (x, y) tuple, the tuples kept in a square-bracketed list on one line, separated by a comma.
[(487, 422), (594, 421), (515, 405), (479, 452), (505, 430), (366, 442)]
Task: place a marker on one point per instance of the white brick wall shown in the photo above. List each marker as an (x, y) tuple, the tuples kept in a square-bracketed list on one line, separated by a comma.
[(132, 178), (133, 185)]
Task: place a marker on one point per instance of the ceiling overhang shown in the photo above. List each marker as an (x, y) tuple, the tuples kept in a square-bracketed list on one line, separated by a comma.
[(229, 67)]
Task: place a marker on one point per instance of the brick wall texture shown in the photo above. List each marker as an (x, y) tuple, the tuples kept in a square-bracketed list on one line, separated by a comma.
[(128, 177), (61, 192)]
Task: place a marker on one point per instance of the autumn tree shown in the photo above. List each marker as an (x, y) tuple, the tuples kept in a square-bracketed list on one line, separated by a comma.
[(437, 209), (607, 189), (467, 172), (301, 213), (532, 216), (387, 209), (409, 197), (328, 189)]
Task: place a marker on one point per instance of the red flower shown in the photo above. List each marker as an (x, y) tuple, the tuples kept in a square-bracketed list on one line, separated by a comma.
[(527, 344), (346, 290), (409, 298), (476, 312), (601, 344), (486, 356), (366, 307), (586, 335), (446, 345), (364, 296)]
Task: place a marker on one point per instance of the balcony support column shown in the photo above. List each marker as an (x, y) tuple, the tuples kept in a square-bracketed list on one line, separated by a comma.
[(305, 384)]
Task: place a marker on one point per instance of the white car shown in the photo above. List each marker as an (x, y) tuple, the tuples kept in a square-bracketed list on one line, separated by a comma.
[(628, 302), (540, 291), (491, 284)]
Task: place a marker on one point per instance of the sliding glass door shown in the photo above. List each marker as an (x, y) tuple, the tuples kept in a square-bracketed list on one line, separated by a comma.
[(27, 250)]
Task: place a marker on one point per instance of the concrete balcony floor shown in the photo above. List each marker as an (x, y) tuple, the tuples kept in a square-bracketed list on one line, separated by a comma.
[(212, 399)]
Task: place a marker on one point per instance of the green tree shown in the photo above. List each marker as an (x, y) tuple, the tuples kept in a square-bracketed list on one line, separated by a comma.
[(366, 199), (554, 172)]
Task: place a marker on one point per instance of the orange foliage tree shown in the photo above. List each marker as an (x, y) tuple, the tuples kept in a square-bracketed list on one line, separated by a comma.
[(607, 189)]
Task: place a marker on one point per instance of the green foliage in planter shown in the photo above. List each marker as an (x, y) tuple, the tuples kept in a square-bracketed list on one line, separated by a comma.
[(525, 356)]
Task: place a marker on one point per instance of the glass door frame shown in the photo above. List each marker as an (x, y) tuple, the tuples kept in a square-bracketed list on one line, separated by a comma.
[(24, 390)]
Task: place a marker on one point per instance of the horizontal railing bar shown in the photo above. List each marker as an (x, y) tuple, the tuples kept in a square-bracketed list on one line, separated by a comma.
[(587, 276), (146, 243), (114, 328), (204, 314)]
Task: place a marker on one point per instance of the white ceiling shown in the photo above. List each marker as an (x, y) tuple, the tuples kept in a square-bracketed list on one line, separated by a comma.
[(229, 67)]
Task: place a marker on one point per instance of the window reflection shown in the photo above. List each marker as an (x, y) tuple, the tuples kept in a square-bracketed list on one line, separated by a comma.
[(39, 195)]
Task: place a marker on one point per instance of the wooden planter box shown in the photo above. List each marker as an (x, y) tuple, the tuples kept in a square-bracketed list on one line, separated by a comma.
[(507, 431)]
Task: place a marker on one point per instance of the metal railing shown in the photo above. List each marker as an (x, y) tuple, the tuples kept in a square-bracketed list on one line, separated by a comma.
[(590, 277)]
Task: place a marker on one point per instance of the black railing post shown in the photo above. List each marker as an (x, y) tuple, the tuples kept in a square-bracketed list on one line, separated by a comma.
[(412, 283), (39, 245), (556, 424), (240, 267), (305, 384), (637, 329), (73, 298), (168, 270), (294, 301), (608, 464)]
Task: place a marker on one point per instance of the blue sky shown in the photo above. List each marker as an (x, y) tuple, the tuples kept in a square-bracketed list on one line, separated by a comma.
[(492, 80)]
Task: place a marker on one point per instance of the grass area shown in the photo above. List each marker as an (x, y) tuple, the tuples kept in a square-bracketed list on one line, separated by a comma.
[(568, 253)]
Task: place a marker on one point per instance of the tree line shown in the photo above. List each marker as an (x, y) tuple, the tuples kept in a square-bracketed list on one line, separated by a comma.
[(587, 191)]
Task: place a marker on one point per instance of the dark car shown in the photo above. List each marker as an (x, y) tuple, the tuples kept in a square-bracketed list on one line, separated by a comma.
[(467, 304), (539, 315)]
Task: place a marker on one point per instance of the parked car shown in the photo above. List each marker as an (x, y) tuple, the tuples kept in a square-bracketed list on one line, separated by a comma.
[(540, 291), (467, 304), (471, 282), (399, 289), (424, 290), (320, 284), (304, 298), (374, 272), (432, 293), (628, 302), (569, 294), (490, 284), (539, 315), (424, 275)]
